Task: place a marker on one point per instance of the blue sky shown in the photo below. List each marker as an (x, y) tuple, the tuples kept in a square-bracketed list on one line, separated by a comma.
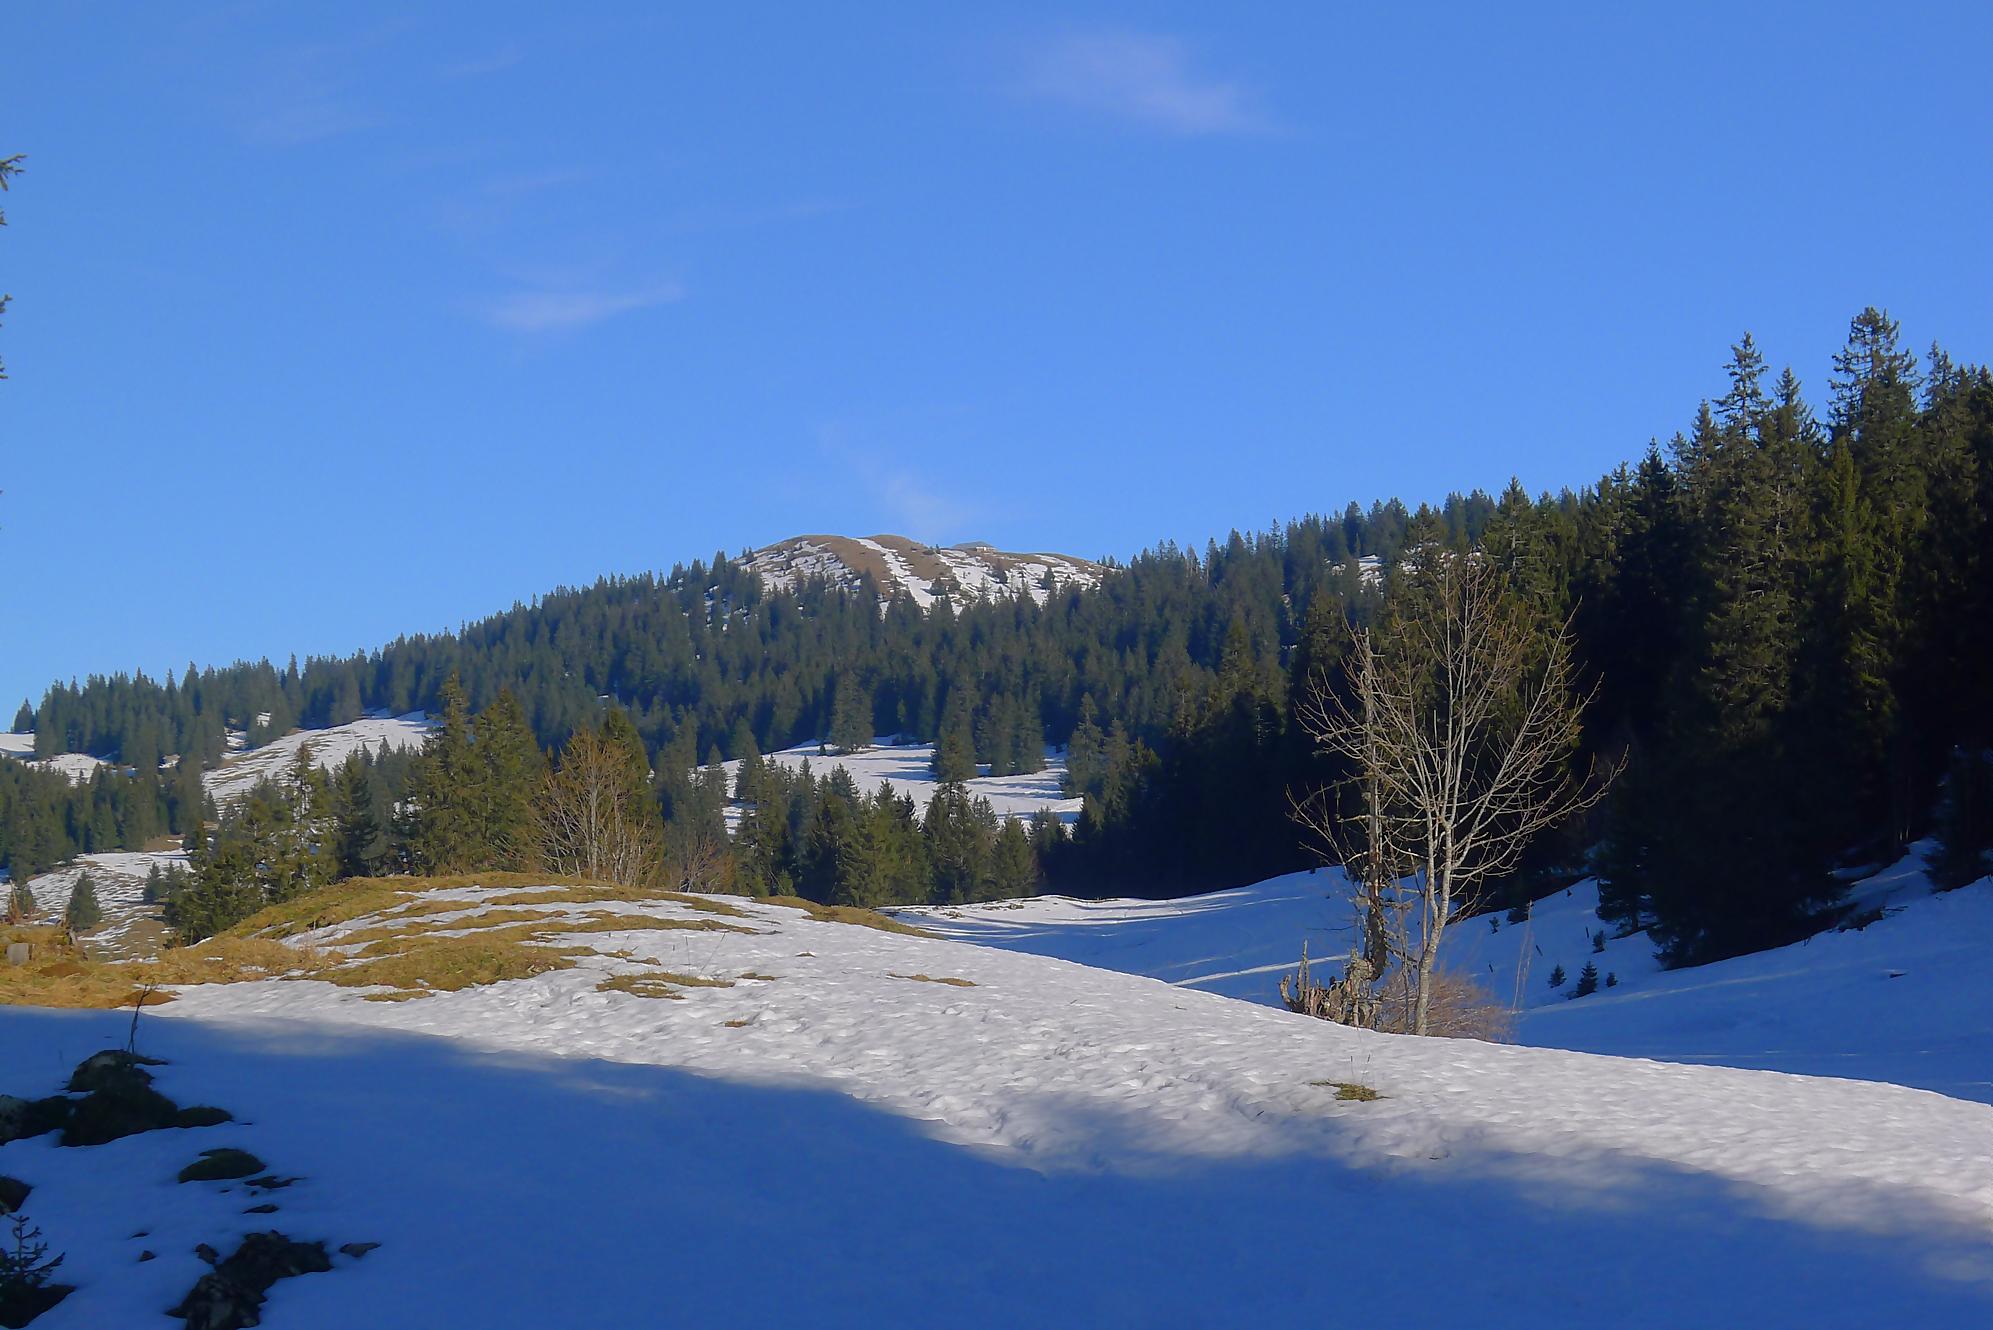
[(336, 322)]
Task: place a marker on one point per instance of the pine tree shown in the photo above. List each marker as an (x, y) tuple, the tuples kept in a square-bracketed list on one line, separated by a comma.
[(1013, 865), (442, 792), (360, 840), (24, 719), (1588, 981), (20, 903), (954, 753), (83, 912), (851, 716), (1557, 976), (509, 770)]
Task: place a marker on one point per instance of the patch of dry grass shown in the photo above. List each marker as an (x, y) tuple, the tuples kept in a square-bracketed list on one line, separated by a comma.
[(846, 914), (936, 979), (450, 964), (61, 976), (658, 984), (1350, 1091)]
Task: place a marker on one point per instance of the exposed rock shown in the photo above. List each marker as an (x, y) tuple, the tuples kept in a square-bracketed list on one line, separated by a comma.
[(203, 1115), (110, 1070), (264, 1209), (357, 1249), (20, 1305), (221, 1165), (145, 1256), (269, 1182), (21, 1118), (231, 1296), (119, 1109), (12, 1192)]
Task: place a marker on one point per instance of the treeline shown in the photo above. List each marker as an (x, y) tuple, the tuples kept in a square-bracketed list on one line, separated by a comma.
[(1786, 615)]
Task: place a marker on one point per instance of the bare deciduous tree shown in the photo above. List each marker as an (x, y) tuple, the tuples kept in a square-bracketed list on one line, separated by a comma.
[(592, 820), (1459, 717)]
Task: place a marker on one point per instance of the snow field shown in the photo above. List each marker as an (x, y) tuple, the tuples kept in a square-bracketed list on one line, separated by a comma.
[(118, 878), (1053, 1144), (238, 775), (908, 768)]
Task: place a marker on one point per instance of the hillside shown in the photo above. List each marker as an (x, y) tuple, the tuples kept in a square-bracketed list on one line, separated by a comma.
[(733, 1110), (1906, 998), (957, 573), (909, 769)]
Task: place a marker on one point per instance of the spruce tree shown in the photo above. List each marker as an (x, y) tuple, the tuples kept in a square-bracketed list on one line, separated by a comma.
[(1588, 981), (851, 716), (83, 912), (443, 792), (509, 769), (1013, 864), (360, 840), (954, 760), (20, 903)]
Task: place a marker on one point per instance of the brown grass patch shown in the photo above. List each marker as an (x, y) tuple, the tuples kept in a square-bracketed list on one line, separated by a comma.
[(61, 976), (741, 1023), (450, 964), (658, 984), (936, 979), (751, 974), (1350, 1091), (846, 914)]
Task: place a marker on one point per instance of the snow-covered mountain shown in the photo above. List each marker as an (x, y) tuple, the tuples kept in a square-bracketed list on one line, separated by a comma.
[(960, 573), (720, 1111)]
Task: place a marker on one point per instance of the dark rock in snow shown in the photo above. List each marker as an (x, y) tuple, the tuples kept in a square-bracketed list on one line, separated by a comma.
[(12, 1192), (231, 1296), (264, 1209), (357, 1249), (221, 1165), (145, 1256), (112, 1069)]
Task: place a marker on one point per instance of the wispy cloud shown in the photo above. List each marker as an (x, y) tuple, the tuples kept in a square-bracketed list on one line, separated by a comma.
[(910, 504), (309, 93), (1143, 78), (547, 311)]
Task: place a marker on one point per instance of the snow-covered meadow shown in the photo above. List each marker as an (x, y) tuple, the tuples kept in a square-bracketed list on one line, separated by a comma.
[(909, 769), (239, 774), (1908, 998), (844, 1136)]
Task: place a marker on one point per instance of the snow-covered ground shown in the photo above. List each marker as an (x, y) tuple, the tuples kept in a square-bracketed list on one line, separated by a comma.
[(909, 768), (1908, 999), (244, 767), (237, 775), (978, 572), (845, 1143), (79, 767), (118, 879)]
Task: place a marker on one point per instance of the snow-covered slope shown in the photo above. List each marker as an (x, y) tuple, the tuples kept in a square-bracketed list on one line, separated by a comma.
[(79, 767), (117, 878), (909, 769), (963, 572), (1908, 999), (838, 1137), (244, 767), (239, 774)]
